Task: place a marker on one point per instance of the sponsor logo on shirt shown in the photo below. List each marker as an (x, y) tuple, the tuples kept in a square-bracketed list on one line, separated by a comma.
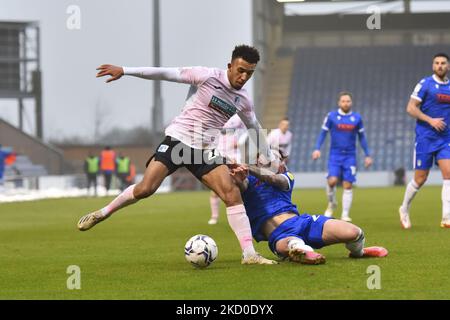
[(346, 127), (223, 107), (443, 98), (163, 148)]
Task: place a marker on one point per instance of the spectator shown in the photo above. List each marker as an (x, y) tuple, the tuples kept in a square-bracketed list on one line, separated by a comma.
[(92, 168), (4, 155), (108, 165), (123, 170)]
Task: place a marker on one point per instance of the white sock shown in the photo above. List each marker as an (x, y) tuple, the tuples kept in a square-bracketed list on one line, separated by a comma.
[(331, 194), (347, 198), (410, 193), (297, 243), (446, 200), (239, 222), (122, 200), (356, 247)]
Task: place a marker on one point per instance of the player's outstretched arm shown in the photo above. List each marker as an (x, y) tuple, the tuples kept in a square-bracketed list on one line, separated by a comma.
[(413, 109), (115, 72), (278, 180), (188, 75)]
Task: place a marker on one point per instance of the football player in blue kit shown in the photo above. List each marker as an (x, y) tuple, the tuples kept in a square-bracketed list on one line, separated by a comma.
[(430, 105), (344, 126), (291, 235)]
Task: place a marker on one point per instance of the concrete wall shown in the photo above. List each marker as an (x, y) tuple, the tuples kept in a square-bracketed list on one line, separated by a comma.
[(38, 151)]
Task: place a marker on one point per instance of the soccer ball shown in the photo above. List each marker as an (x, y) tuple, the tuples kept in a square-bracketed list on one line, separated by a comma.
[(200, 251)]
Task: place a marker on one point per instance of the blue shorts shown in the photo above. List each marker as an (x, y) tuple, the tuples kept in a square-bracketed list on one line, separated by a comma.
[(307, 227), (343, 167), (423, 160)]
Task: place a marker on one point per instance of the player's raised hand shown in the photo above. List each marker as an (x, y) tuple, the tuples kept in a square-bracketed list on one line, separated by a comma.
[(115, 72), (368, 162), (437, 123), (239, 173), (316, 154)]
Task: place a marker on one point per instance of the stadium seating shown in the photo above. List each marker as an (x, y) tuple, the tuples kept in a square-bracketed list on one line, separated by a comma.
[(23, 167), (381, 79)]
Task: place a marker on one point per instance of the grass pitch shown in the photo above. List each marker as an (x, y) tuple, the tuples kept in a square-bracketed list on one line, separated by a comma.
[(138, 252)]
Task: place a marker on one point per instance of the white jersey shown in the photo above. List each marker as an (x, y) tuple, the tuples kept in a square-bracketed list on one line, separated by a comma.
[(230, 141), (280, 140), (207, 108)]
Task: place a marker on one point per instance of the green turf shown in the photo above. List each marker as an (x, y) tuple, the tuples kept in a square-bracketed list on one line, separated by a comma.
[(138, 253)]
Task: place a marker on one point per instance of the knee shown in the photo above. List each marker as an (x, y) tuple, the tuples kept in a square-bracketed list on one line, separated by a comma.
[(282, 248), (332, 183), (142, 191), (353, 233), (420, 181), (231, 195)]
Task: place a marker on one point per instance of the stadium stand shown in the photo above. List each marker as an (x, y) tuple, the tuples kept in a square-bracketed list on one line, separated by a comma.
[(381, 79), (279, 86), (36, 150), (25, 168)]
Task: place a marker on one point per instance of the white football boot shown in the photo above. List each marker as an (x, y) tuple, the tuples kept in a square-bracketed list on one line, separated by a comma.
[(88, 221), (256, 259)]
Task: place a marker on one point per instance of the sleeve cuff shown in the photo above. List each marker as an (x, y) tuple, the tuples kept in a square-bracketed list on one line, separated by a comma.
[(289, 182), (127, 71), (416, 98)]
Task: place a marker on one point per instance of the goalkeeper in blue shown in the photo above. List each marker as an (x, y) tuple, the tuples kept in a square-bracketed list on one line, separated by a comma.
[(430, 105), (290, 235), (344, 126)]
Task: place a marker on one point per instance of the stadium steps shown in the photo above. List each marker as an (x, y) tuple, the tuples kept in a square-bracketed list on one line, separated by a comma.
[(381, 79), (279, 86), (25, 168)]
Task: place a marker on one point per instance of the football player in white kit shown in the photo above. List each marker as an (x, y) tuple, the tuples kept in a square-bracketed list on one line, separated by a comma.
[(191, 139)]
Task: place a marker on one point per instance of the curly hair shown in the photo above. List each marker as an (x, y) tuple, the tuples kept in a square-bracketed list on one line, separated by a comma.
[(248, 53)]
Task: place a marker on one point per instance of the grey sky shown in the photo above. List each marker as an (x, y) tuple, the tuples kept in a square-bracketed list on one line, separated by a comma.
[(199, 32)]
